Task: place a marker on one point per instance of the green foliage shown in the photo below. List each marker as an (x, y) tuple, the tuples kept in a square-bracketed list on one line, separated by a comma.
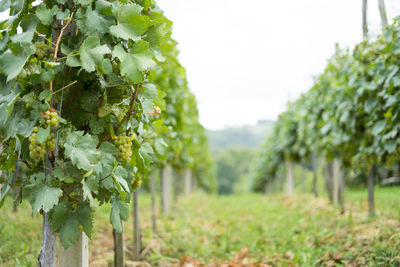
[(233, 167), (244, 136), (84, 72), (276, 231), (350, 113)]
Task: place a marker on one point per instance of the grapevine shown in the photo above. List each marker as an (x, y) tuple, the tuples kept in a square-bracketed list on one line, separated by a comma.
[(350, 114), (108, 77)]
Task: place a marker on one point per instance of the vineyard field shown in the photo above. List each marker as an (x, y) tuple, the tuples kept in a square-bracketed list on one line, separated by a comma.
[(203, 229)]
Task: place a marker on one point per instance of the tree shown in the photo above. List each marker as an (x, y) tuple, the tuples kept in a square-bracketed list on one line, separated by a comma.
[(233, 165)]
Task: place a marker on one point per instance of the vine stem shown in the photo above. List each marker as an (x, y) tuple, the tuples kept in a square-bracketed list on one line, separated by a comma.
[(68, 195), (65, 87), (26, 163), (60, 35), (130, 111)]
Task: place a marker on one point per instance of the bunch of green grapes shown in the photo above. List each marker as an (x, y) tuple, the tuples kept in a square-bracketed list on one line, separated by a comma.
[(51, 142), (37, 151), (41, 49), (136, 183), (124, 144), (50, 118)]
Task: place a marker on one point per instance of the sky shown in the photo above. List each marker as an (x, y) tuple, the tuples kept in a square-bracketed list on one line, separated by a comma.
[(246, 59)]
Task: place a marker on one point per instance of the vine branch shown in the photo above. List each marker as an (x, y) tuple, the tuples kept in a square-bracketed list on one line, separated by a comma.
[(68, 195), (65, 87), (26, 163), (130, 111), (59, 37)]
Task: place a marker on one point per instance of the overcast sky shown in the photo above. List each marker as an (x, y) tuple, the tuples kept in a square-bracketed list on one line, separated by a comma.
[(244, 59)]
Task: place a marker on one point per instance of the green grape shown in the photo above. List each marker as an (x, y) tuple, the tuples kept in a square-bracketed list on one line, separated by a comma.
[(51, 142), (41, 49), (50, 118), (37, 151), (124, 144)]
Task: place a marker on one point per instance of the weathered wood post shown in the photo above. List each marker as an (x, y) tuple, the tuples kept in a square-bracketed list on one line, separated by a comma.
[(16, 190), (153, 202), (303, 172), (364, 19), (166, 189), (77, 255), (338, 184), (336, 180), (289, 177), (188, 181), (315, 177), (341, 190), (137, 244), (119, 257), (382, 12), (48, 252), (371, 197), (329, 179)]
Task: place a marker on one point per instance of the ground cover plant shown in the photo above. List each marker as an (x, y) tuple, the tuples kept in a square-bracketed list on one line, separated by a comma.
[(244, 229)]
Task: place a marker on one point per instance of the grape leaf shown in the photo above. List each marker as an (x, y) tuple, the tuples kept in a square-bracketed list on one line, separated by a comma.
[(133, 63), (119, 212), (92, 53), (131, 24), (12, 65), (81, 149), (44, 197)]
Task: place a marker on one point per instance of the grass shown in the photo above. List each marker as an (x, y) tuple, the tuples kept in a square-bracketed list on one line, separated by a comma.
[(248, 228)]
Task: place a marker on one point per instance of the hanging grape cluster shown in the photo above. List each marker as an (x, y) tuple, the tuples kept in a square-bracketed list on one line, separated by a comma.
[(124, 144), (37, 150), (50, 118), (41, 49)]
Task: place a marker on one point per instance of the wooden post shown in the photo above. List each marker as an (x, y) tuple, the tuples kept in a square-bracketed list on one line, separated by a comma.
[(329, 179), (137, 244), (176, 182), (166, 189), (364, 19), (289, 177), (77, 255), (48, 253), (341, 190), (119, 248), (188, 182), (315, 177), (15, 189), (371, 199), (153, 202), (268, 187), (382, 11), (336, 181), (303, 171), (338, 184)]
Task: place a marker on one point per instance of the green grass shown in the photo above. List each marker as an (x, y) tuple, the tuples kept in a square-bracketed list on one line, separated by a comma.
[(275, 230)]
